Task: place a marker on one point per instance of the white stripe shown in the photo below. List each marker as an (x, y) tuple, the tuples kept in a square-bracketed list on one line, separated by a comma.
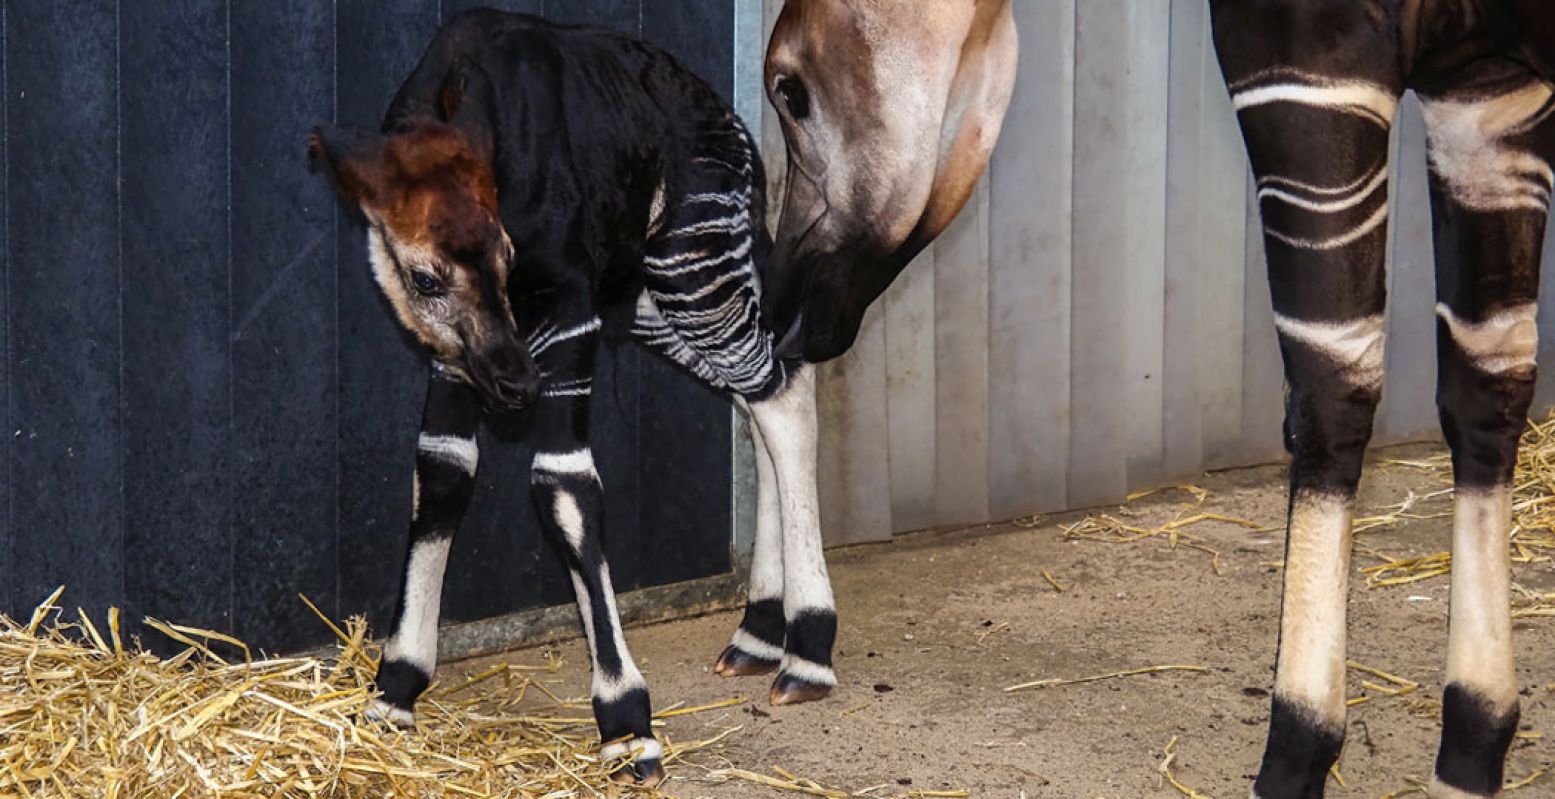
[(606, 687), (1357, 98), (461, 452), (1479, 640), (1330, 206), (415, 639), (569, 517), (645, 749), (751, 645), (1310, 668), (1468, 149), (1356, 346), (1372, 222), (580, 461), (1505, 340), (809, 671), (552, 339)]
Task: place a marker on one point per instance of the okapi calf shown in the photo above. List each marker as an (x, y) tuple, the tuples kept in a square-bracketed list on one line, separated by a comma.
[(533, 188), (1316, 84)]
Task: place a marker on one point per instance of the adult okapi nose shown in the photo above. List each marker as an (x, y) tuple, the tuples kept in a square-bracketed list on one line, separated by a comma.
[(508, 377)]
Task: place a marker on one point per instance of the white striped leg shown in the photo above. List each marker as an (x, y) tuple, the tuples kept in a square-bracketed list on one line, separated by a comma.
[(757, 645), (788, 426), (570, 500), (446, 459)]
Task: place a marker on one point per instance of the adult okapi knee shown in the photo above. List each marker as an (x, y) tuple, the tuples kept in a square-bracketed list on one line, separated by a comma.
[(890, 111), (532, 187), (1316, 84)]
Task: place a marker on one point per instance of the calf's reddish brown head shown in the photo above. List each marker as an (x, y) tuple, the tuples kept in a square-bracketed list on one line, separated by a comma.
[(438, 249)]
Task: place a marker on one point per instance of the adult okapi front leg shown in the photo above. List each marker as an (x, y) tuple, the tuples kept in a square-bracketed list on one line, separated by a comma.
[(757, 645), (1490, 146), (1316, 117), (446, 458)]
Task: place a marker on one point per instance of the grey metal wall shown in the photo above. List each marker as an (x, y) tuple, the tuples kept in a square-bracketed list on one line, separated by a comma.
[(1097, 320)]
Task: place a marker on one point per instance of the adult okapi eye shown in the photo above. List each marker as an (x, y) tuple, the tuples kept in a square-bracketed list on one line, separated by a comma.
[(426, 283), (795, 96)]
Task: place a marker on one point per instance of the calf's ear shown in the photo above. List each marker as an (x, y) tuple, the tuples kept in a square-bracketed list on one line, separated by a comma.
[(465, 102), (353, 158)]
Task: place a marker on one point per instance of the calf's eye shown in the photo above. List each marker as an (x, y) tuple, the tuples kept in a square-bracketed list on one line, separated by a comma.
[(426, 283)]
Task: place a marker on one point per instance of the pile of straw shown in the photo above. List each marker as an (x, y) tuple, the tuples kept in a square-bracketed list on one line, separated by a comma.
[(82, 714)]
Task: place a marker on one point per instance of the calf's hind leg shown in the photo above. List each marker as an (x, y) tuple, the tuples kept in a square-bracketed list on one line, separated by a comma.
[(757, 644), (1490, 186)]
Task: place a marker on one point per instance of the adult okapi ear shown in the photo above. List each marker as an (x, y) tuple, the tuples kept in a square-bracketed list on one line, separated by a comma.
[(353, 157), (465, 102)]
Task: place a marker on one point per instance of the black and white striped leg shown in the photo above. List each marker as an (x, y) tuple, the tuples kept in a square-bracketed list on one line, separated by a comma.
[(757, 645), (1490, 190), (788, 428), (1318, 147), (446, 457), (569, 498)]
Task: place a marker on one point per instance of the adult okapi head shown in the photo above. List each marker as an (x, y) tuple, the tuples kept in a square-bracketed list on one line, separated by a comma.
[(437, 245), (890, 111)]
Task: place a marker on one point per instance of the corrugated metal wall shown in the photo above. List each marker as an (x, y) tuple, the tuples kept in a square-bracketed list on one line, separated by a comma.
[(1097, 319)]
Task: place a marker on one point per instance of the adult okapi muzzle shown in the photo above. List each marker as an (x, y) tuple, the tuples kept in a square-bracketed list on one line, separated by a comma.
[(438, 249), (890, 111)]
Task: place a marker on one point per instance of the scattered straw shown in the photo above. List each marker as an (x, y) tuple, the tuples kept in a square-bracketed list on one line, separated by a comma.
[(1053, 581), (1050, 683), (1109, 529), (1169, 754), (82, 715)]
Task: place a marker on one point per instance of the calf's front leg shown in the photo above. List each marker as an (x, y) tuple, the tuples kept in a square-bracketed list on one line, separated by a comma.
[(570, 501), (446, 457)]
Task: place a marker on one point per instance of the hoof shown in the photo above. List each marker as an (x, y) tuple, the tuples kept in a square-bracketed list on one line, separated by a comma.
[(380, 710), (647, 766), (736, 662), (790, 690)]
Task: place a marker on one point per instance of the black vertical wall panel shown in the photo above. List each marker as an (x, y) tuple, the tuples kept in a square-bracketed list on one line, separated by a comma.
[(452, 7), (685, 428), (382, 376), (6, 536), (176, 376), (64, 335), (284, 339)]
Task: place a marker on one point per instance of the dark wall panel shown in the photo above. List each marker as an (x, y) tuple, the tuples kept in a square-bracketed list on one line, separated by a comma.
[(64, 330), (284, 339), (382, 376), (6, 537), (176, 366), (685, 428)]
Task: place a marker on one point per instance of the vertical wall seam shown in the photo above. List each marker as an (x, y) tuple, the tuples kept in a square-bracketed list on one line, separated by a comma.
[(232, 413), (334, 115), (1074, 132), (118, 199), (6, 598)]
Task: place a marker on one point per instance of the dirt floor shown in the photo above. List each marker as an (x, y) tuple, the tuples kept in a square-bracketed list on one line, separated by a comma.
[(934, 626)]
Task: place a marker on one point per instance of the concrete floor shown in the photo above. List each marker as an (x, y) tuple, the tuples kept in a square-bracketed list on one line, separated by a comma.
[(933, 626)]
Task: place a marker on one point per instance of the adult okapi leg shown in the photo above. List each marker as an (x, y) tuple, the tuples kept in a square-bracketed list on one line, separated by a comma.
[(1489, 150), (757, 644), (569, 498), (446, 458), (788, 427), (1317, 135)]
